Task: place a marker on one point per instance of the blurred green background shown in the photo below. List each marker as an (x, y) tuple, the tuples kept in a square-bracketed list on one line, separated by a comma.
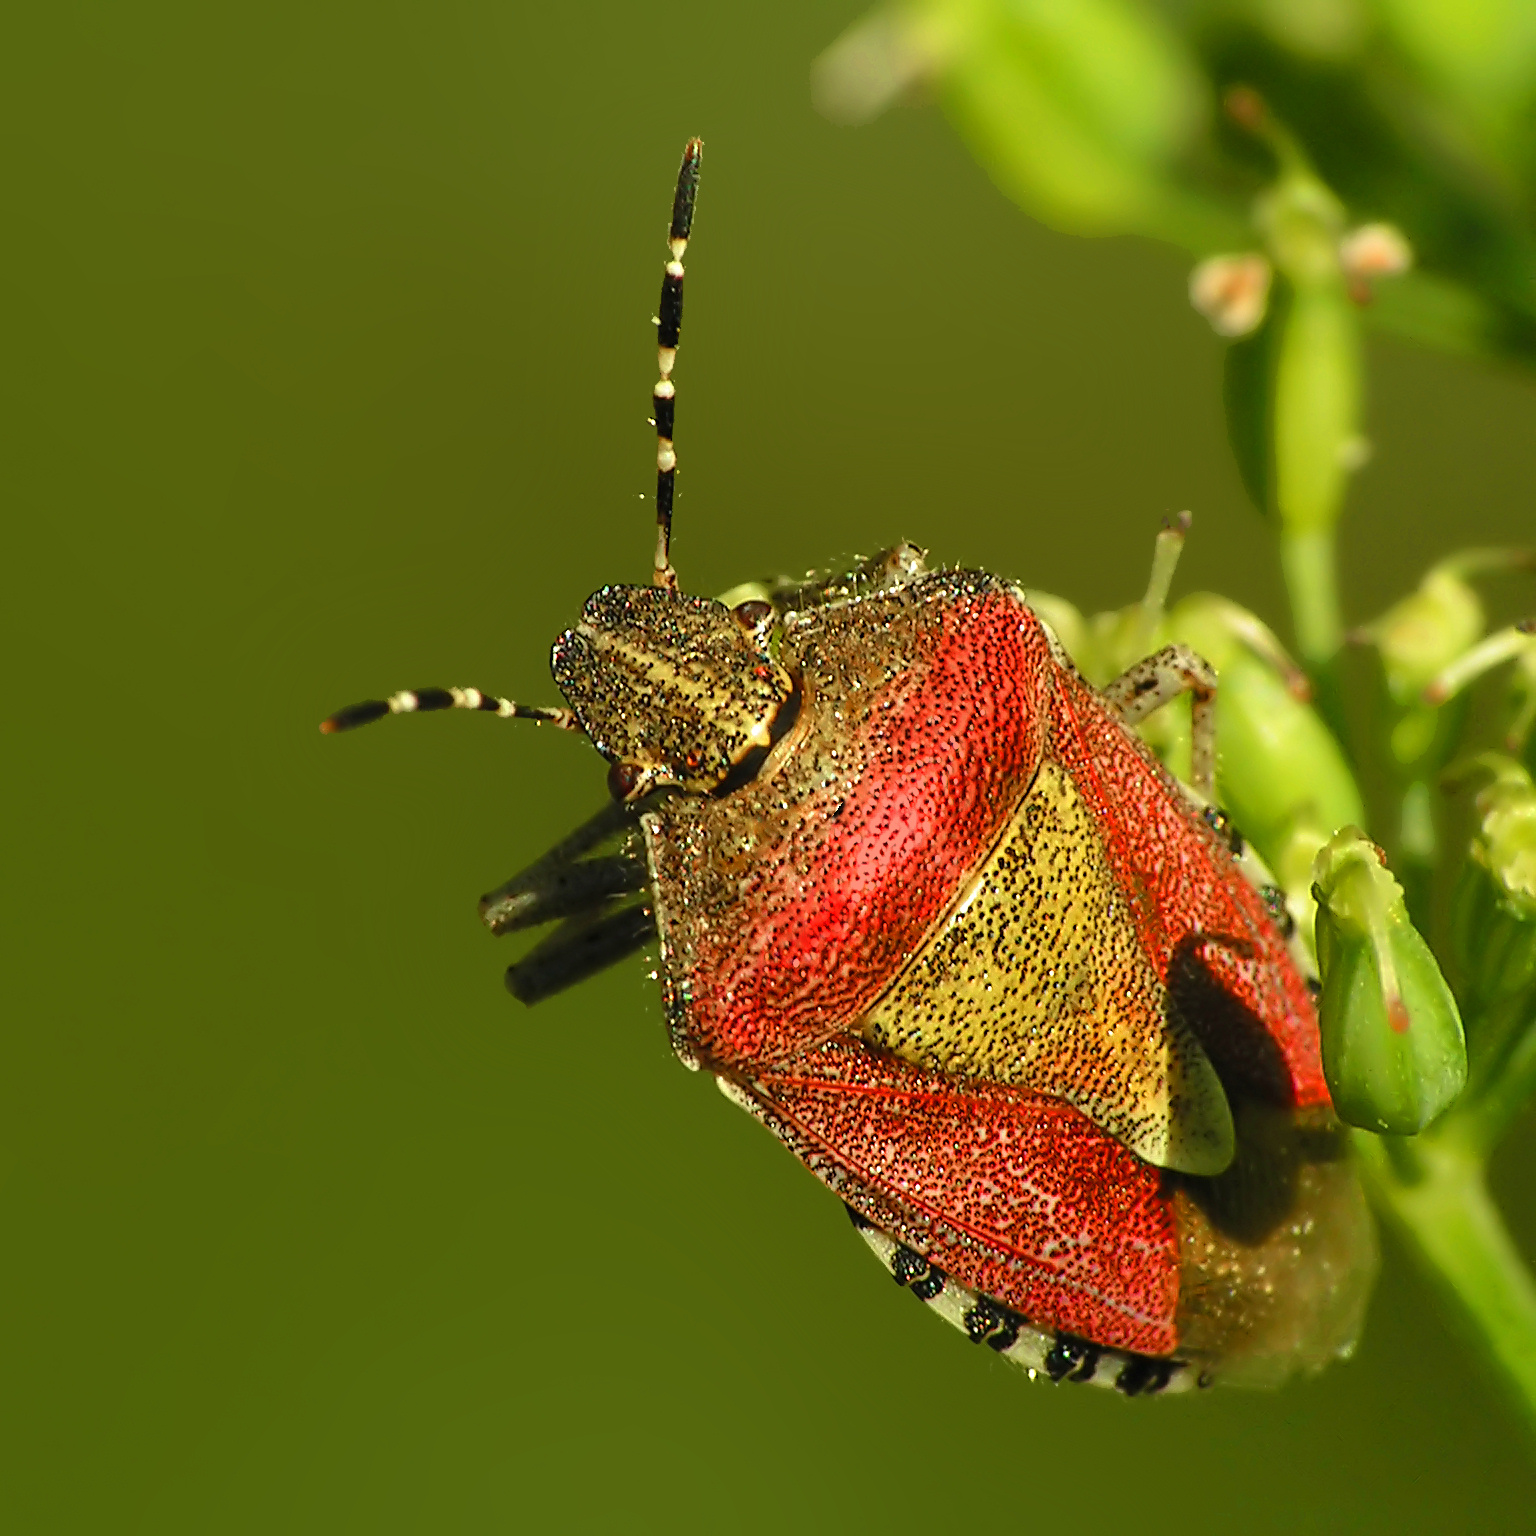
[(328, 371)]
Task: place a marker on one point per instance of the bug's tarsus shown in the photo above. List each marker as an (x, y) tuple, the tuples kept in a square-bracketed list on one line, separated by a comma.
[(669, 326), (413, 701), (580, 947)]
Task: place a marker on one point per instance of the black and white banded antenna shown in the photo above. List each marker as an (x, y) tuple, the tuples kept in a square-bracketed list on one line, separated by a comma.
[(669, 324), (414, 701), (669, 327)]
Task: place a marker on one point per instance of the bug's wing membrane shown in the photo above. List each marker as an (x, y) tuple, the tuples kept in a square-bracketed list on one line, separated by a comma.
[(1038, 978), (1016, 1195), (1278, 1255)]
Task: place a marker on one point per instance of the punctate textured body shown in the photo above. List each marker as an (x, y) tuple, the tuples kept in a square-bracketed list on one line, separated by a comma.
[(928, 908), (1002, 1018)]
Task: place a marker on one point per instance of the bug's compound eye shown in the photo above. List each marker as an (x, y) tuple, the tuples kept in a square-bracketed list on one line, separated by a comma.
[(754, 615), (625, 781)]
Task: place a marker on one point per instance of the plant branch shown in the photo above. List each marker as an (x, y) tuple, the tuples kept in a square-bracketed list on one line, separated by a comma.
[(1432, 1188), (1484, 1120), (1308, 562)]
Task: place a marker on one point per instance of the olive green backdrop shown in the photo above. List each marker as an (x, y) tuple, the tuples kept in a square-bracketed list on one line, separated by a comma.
[(327, 363)]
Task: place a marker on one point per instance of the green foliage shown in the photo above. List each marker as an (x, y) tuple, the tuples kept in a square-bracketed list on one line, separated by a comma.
[(1078, 106), (1102, 117), (1271, 139)]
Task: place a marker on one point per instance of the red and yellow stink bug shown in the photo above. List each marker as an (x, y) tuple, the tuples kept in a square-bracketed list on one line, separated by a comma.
[(930, 910)]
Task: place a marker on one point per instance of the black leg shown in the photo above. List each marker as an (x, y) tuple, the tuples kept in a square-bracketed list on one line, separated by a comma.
[(548, 867), (563, 892), (579, 948)]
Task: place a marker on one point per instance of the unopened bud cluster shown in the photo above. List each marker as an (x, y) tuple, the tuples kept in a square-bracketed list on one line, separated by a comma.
[(1493, 912)]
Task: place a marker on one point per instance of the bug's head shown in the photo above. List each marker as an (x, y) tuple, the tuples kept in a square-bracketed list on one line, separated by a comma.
[(673, 690)]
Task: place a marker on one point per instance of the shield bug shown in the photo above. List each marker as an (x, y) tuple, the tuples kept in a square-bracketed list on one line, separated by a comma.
[(928, 908)]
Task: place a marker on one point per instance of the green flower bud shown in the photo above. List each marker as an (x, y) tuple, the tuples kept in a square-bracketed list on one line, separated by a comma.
[(1429, 647), (1424, 632), (1393, 1049), (1517, 643), (1493, 941), (1316, 387), (1278, 767), (1505, 844), (1317, 407), (1493, 912), (1293, 390)]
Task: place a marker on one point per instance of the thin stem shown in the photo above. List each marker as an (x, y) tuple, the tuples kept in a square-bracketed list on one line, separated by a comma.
[(1439, 1202), (1309, 563), (1486, 1114)]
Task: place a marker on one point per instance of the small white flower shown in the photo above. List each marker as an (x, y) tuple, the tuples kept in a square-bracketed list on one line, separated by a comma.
[(1232, 292), (1375, 250)]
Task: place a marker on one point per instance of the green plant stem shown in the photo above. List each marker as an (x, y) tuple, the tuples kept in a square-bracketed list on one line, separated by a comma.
[(1433, 1189), (1487, 1114), (1309, 563)]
